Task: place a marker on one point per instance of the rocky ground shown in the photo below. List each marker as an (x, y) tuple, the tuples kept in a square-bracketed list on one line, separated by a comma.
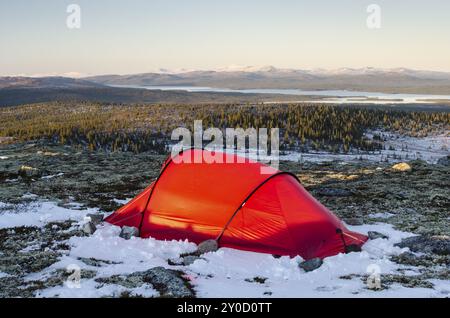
[(412, 198)]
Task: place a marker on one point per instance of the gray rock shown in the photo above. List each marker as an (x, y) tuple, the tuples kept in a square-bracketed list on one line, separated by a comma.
[(407, 258), (96, 262), (29, 262), (89, 228), (168, 282), (415, 281), (311, 264), (444, 161), (440, 200), (207, 246), (128, 232), (373, 235), (331, 192), (176, 261), (352, 248), (133, 280), (354, 221), (95, 218), (188, 260), (28, 172), (437, 244)]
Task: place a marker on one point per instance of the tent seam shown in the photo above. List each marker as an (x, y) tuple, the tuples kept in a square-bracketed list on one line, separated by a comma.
[(250, 195)]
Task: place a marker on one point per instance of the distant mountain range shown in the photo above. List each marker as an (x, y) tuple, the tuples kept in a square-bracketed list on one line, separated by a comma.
[(19, 89), (44, 82), (26, 90), (397, 80)]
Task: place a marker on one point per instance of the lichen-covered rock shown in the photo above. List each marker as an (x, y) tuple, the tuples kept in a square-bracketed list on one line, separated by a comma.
[(127, 232), (28, 172), (207, 246), (169, 283), (402, 166), (440, 200), (27, 262), (436, 244), (407, 258)]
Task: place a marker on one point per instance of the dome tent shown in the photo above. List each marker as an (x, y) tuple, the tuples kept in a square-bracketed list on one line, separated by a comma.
[(238, 206)]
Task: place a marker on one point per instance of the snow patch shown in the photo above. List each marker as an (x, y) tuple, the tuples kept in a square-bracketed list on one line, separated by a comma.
[(37, 214), (381, 215), (2, 275), (122, 202), (229, 273), (53, 176)]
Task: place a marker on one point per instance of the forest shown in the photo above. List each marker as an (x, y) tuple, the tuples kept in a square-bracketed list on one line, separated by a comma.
[(142, 127)]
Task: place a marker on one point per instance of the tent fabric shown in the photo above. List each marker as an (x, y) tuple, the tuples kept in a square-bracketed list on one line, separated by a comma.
[(234, 202)]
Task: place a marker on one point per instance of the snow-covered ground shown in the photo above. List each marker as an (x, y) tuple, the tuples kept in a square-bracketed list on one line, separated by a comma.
[(224, 273), (38, 214), (397, 148)]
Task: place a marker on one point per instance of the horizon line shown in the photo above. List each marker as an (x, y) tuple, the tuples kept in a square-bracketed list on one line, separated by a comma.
[(225, 69)]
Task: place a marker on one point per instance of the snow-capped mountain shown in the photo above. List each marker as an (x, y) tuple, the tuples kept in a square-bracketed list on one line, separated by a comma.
[(315, 71), (395, 80)]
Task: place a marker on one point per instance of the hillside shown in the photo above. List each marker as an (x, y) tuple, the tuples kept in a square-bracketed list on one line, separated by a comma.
[(21, 82), (368, 79), (29, 93)]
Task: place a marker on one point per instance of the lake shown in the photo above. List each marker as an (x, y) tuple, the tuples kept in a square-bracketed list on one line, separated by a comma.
[(328, 96)]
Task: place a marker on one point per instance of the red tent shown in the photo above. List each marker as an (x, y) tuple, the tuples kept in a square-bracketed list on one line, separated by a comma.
[(237, 205)]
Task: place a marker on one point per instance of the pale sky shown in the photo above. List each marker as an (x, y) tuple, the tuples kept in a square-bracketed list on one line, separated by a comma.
[(136, 36)]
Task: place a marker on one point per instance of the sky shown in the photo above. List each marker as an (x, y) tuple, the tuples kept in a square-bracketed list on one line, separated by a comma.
[(137, 36)]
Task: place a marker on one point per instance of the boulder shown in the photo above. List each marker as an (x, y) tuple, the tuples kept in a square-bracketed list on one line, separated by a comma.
[(89, 228), (128, 232), (28, 172), (176, 261), (373, 235), (311, 264), (429, 244), (95, 218), (354, 221), (207, 246), (168, 283), (402, 166), (352, 248), (189, 259)]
